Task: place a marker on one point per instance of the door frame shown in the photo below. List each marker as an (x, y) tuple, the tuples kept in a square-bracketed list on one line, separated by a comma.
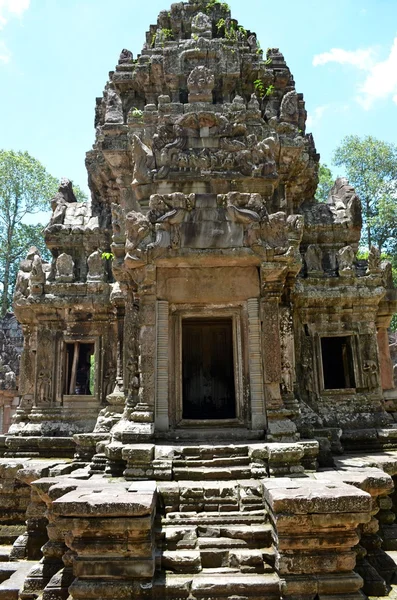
[(175, 364)]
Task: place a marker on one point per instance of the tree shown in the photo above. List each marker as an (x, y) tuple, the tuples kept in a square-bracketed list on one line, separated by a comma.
[(371, 167), (25, 189), (325, 183)]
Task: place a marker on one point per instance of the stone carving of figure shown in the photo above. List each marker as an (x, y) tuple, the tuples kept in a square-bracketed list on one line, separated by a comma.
[(96, 267), (346, 258), (64, 268), (201, 25), (59, 202), (313, 259), (125, 56), (118, 223), (138, 228), (253, 43), (253, 104), (289, 112), (144, 162), (10, 380), (374, 261), (44, 388), (37, 274), (370, 369), (114, 108), (22, 283), (200, 83)]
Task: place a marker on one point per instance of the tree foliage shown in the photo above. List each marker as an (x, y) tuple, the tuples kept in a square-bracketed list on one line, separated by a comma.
[(325, 183), (25, 189), (371, 167)]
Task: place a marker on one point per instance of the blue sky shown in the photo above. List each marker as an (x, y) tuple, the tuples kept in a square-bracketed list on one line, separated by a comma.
[(55, 56)]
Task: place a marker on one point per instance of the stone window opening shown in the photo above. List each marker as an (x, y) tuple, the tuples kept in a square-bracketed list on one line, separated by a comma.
[(79, 368), (337, 362)]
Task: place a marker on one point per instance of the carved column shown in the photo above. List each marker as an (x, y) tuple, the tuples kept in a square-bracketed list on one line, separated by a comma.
[(386, 366), (162, 421), (280, 427), (258, 413)]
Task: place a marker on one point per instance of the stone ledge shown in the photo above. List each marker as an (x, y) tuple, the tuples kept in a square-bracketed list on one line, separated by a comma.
[(307, 495)]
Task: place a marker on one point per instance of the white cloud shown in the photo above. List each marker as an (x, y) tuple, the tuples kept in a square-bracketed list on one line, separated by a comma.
[(314, 117), (362, 58), (12, 8), (5, 54), (8, 10), (381, 79)]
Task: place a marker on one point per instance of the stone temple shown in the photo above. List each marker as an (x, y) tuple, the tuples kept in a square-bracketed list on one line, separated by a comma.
[(207, 403)]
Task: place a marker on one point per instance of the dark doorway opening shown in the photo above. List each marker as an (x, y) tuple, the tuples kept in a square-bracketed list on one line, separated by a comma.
[(337, 357), (79, 368), (207, 369)]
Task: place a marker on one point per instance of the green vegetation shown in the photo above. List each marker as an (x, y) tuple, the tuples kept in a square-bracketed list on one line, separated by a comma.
[(325, 183), (216, 4), (261, 90), (136, 113), (371, 167), (107, 255), (25, 189), (259, 87)]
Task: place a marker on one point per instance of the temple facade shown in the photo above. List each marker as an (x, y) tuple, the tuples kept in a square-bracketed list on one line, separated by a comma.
[(203, 290), (205, 318)]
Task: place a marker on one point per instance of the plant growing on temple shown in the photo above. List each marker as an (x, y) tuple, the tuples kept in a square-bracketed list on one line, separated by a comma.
[(371, 167), (259, 87)]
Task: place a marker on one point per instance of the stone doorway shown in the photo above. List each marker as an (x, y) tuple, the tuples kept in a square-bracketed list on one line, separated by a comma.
[(208, 381)]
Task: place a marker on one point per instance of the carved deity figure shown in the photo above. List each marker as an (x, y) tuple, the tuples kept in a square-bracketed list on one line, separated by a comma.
[(371, 376), (201, 25), (346, 258), (114, 108), (64, 268), (138, 227), (289, 112), (126, 56), (374, 260), (144, 162), (200, 83), (96, 268), (313, 259)]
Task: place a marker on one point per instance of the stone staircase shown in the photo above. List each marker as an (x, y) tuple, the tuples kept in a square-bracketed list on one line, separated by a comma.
[(214, 539)]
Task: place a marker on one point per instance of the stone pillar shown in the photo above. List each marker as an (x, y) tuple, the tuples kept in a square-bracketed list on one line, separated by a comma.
[(386, 366), (109, 528), (280, 427), (162, 320), (315, 526), (258, 414)]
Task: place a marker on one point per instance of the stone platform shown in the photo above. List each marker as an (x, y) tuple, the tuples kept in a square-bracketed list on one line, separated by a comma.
[(233, 531)]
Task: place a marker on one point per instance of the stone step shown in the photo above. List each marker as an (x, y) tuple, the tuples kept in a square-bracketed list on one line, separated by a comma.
[(10, 588), (7, 569), (228, 435), (245, 560), (174, 519), (9, 533), (217, 583), (207, 452), (213, 473), (5, 552), (232, 461)]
